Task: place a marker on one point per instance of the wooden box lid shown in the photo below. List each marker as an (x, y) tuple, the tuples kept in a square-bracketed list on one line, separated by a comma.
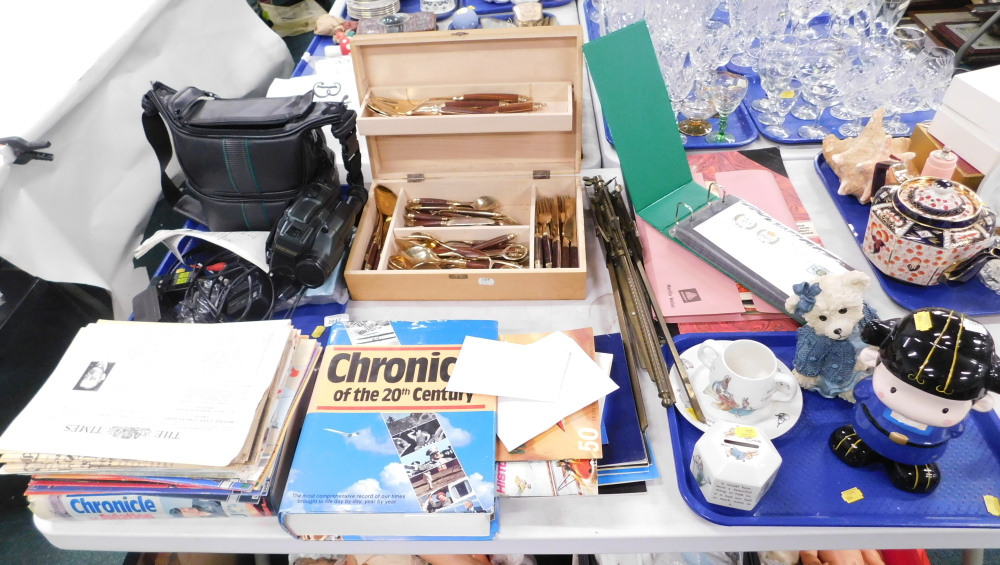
[(545, 63)]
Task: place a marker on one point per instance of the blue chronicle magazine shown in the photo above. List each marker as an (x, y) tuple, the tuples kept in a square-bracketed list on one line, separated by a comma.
[(386, 452)]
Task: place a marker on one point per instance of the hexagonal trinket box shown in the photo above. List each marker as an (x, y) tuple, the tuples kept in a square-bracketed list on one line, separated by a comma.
[(734, 465)]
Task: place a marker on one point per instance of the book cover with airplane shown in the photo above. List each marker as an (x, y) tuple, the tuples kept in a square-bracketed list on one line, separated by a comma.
[(386, 451)]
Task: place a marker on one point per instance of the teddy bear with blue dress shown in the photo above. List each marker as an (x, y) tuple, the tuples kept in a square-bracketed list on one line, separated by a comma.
[(934, 366), (828, 347)]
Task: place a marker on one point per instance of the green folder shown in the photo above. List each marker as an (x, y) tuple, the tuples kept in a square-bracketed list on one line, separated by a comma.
[(634, 97)]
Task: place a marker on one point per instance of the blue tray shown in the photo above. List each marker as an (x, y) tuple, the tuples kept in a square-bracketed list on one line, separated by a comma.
[(972, 298), (740, 123), (307, 318), (413, 6), (483, 8), (807, 489), (509, 16), (792, 123), (317, 45)]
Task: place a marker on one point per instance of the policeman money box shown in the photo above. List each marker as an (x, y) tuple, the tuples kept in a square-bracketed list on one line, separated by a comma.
[(934, 366)]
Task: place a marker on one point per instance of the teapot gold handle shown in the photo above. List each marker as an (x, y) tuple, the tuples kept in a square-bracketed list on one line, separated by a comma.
[(881, 173)]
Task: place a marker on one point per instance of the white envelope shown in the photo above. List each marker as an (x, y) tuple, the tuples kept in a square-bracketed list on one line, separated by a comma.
[(500, 368), (519, 420)]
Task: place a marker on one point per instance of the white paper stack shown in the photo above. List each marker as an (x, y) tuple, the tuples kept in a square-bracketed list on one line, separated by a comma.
[(537, 384), (190, 395)]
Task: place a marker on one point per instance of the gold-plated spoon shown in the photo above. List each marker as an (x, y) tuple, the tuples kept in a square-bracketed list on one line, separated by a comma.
[(419, 253), (438, 247), (404, 263), (385, 202)]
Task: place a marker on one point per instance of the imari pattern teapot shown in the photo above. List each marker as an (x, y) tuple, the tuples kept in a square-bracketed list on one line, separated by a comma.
[(925, 228)]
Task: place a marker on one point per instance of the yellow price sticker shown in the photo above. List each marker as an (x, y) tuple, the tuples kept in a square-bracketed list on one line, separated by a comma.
[(746, 432), (318, 331), (923, 321), (787, 94), (852, 495), (992, 504)]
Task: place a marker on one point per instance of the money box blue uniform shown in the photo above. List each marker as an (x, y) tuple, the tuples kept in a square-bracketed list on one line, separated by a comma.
[(935, 365)]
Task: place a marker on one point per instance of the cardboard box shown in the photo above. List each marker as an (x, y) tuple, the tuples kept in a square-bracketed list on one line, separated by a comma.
[(515, 158), (922, 143), (975, 96), (966, 138)]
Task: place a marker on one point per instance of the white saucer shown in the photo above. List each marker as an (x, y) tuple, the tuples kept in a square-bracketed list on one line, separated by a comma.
[(783, 417)]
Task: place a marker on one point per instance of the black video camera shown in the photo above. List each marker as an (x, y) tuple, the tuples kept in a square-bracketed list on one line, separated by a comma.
[(311, 237)]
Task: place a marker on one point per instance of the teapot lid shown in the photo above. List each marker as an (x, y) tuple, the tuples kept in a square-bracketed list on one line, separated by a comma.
[(936, 202)]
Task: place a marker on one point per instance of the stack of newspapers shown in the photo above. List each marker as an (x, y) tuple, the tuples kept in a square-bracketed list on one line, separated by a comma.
[(144, 420)]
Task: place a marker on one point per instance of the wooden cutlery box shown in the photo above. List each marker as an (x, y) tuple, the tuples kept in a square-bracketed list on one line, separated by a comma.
[(515, 158)]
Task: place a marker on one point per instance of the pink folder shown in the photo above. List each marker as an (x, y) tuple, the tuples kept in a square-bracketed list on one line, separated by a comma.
[(689, 289)]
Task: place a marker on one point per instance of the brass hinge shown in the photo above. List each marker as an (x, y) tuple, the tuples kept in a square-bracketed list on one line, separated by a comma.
[(541, 174), (415, 177)]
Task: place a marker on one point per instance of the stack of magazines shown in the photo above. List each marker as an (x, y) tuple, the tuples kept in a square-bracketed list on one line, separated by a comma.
[(600, 449), (144, 420)]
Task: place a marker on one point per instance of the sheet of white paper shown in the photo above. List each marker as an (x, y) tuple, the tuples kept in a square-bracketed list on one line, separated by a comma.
[(519, 420), (121, 391), (500, 368), (251, 245), (333, 80)]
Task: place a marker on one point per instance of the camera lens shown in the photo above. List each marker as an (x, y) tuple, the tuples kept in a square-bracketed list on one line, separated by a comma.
[(310, 271)]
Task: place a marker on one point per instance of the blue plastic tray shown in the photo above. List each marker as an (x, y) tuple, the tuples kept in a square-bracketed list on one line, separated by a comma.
[(792, 123), (972, 298), (509, 16), (307, 318), (483, 8), (807, 489), (317, 45), (412, 6), (740, 124)]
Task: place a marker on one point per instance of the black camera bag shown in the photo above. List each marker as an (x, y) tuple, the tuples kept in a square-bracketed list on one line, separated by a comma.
[(245, 159)]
